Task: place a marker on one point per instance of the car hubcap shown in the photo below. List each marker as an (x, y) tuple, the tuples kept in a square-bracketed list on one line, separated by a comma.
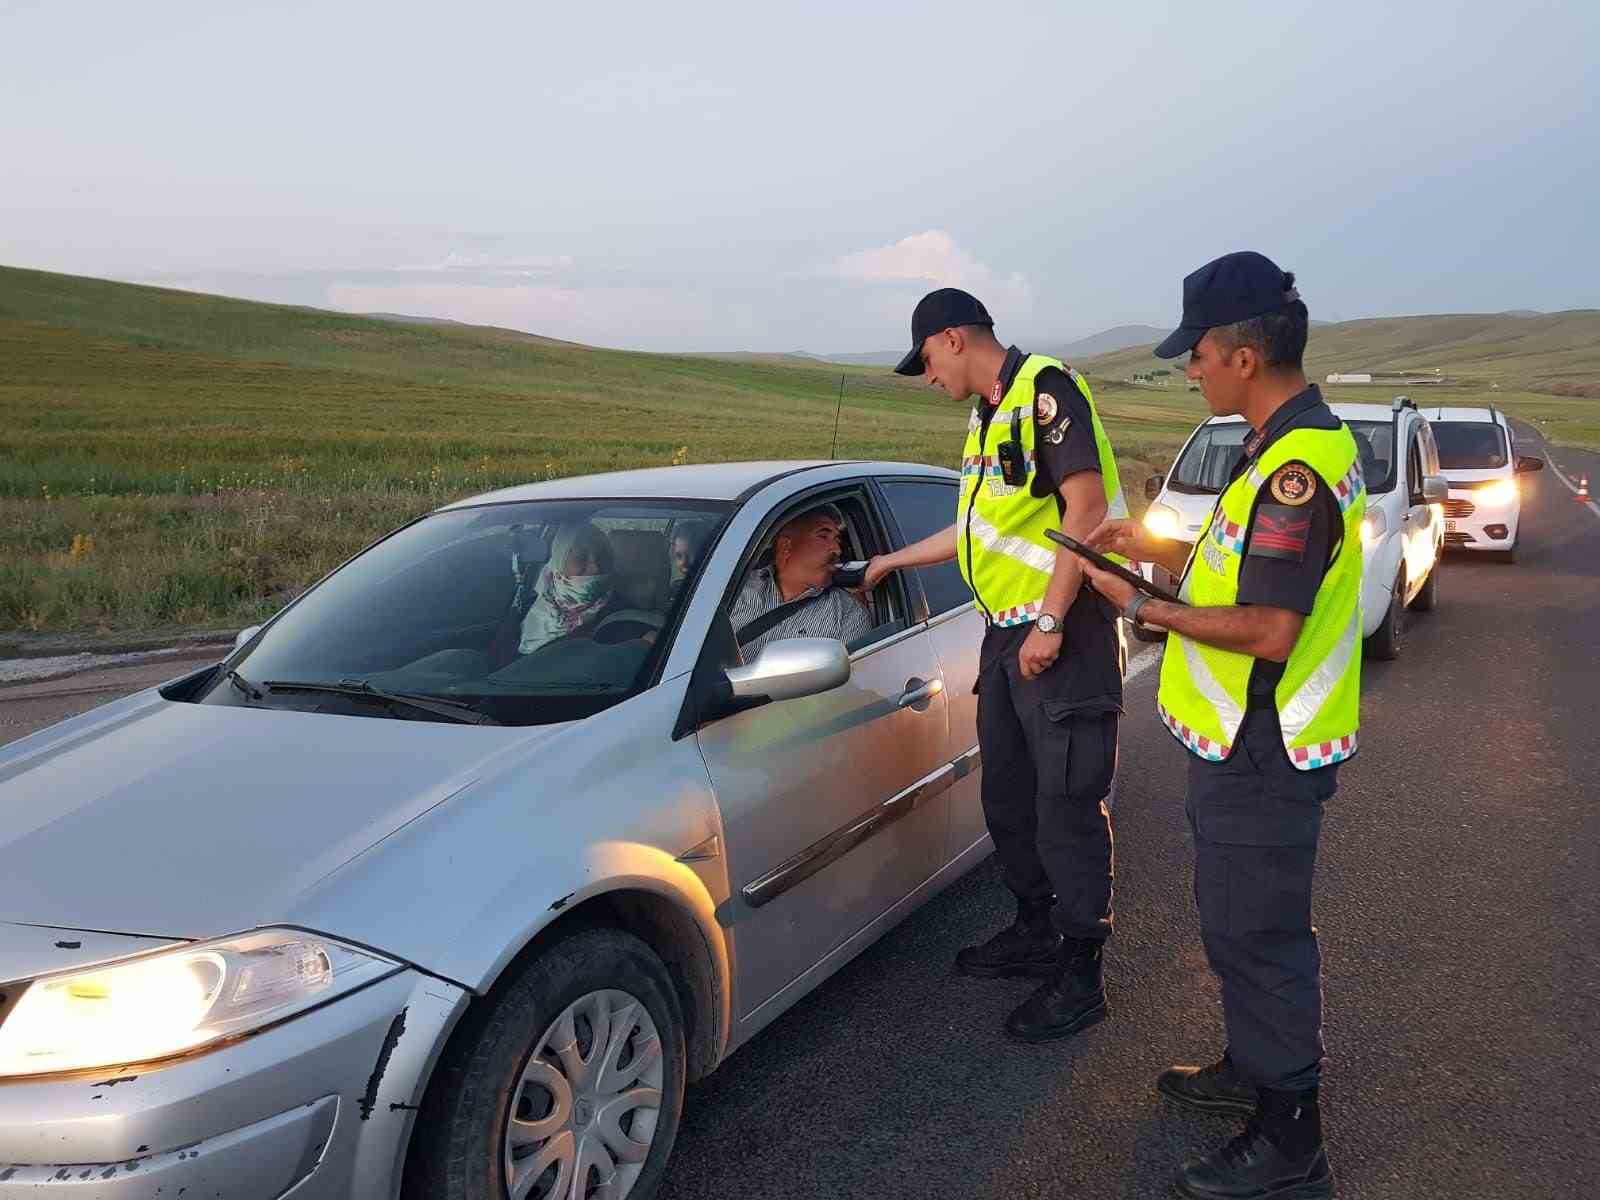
[(584, 1112)]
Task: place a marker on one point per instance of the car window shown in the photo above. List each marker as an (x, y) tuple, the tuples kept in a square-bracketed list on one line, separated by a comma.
[(1414, 465), (830, 529), (1207, 463), (1470, 445), (922, 508), (1375, 445), (529, 613)]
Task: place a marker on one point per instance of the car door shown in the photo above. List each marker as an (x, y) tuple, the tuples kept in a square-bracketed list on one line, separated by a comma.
[(1417, 516), (921, 506), (833, 805)]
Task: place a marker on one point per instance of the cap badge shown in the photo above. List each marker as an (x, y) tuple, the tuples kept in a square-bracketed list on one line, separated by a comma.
[(1293, 484)]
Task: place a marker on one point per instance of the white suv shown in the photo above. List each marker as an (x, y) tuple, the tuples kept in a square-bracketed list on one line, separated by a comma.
[(1478, 452), (1402, 535)]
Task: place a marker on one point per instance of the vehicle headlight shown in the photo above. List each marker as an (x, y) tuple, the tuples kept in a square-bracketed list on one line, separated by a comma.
[(177, 1000), (1373, 526), (1163, 521), (1499, 493)]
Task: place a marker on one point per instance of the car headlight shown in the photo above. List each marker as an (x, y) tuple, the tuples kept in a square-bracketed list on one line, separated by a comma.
[(1163, 521), (1498, 494), (163, 1004), (1373, 526)]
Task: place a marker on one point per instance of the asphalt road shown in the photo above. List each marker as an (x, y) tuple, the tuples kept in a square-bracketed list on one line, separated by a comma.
[(1457, 901)]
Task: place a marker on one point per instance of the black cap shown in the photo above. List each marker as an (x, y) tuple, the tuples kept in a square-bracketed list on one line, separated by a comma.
[(936, 312), (1232, 288)]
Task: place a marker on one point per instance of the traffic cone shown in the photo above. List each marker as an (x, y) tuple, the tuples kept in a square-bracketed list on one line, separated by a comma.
[(1583, 489)]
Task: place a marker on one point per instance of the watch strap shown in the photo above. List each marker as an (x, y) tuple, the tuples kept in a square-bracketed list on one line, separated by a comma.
[(1139, 600)]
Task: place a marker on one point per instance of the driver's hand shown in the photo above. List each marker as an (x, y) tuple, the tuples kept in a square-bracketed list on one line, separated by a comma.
[(877, 567)]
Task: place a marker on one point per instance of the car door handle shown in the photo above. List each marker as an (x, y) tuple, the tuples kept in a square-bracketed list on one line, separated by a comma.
[(919, 692)]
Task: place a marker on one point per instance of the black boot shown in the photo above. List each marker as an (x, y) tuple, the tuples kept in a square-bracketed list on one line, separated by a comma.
[(1279, 1156), (1073, 999), (1025, 947), (1218, 1088)]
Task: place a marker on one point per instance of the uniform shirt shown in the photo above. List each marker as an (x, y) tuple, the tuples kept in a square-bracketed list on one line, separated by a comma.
[(821, 612), (1087, 677), (1279, 569)]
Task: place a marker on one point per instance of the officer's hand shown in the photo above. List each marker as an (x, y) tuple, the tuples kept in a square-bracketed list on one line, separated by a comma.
[(1113, 587), (877, 567), (1039, 651), (1127, 537)]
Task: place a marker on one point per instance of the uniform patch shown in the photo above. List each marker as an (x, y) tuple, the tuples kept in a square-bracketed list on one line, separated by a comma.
[(1293, 484), (1044, 408), (1279, 531), (1055, 436)]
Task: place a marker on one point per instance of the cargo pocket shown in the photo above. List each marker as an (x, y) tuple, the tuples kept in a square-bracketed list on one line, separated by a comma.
[(1261, 857)]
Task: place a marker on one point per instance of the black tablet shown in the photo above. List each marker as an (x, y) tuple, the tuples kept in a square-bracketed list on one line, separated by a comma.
[(1117, 569)]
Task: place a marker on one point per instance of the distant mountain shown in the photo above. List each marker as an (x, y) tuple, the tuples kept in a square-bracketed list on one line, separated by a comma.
[(873, 358), (1107, 341), (407, 319)]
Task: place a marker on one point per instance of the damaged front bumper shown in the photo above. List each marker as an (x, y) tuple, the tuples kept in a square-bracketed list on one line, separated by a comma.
[(319, 1106)]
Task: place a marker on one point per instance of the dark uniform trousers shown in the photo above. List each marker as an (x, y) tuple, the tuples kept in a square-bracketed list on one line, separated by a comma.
[(1255, 821), (1048, 766)]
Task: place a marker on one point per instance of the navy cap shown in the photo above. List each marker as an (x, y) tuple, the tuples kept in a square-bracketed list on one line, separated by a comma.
[(1232, 288), (944, 309)]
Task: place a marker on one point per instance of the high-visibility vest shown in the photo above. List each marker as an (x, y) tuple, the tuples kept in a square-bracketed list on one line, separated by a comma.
[(1000, 543), (1205, 690)]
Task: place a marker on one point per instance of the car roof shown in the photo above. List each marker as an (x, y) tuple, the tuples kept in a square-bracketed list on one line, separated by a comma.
[(1486, 416), (1345, 412), (701, 481)]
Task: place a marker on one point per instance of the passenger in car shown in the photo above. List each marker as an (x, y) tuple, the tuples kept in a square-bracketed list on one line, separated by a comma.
[(574, 588), (799, 582)]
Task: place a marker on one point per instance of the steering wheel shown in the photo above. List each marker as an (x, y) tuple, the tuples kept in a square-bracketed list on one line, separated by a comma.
[(618, 624)]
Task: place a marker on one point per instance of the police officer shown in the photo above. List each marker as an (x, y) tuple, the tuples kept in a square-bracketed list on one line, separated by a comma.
[(1049, 680), (1260, 684)]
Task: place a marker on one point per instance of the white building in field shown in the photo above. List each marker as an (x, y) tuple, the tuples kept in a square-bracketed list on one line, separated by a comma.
[(1362, 377)]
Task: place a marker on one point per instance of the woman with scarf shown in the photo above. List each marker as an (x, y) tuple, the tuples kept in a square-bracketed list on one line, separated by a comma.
[(573, 590)]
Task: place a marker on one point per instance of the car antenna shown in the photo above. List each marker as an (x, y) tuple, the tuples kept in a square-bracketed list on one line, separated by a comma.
[(834, 453)]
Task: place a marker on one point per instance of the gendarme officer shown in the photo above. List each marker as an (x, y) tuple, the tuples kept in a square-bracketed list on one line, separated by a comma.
[(1260, 684), (1049, 674)]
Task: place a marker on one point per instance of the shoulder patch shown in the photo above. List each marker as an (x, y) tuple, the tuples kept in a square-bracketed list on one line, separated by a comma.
[(1293, 484), (1044, 408), (1279, 531), (1055, 436)]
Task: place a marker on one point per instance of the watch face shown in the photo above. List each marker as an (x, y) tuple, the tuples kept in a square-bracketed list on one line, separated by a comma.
[(1047, 623)]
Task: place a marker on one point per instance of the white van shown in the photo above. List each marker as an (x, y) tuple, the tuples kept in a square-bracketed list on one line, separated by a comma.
[(1402, 535), (1478, 454)]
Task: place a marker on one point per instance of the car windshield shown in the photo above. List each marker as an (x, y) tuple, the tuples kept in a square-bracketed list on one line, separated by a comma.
[(1470, 445), (1207, 463), (527, 613)]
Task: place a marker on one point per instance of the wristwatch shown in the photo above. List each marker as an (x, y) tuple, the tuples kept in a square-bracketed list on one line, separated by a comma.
[(1047, 624), (1140, 599)]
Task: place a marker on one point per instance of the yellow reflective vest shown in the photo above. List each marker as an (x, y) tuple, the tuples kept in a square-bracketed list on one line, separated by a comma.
[(1000, 543), (1204, 689)]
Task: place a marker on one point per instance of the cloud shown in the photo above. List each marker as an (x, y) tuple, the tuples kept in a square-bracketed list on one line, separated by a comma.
[(932, 258), (536, 266)]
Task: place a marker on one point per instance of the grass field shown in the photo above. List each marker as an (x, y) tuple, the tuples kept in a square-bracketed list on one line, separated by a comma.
[(176, 460)]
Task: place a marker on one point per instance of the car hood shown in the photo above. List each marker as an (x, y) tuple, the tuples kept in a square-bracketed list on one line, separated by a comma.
[(1462, 476), (1192, 510), (175, 820)]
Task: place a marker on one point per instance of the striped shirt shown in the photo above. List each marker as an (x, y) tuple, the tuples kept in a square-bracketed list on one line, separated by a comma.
[(825, 612)]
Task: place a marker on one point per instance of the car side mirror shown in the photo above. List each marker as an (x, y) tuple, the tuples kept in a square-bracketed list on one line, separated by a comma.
[(1527, 463), (791, 668), (1435, 489), (1152, 486), (245, 635)]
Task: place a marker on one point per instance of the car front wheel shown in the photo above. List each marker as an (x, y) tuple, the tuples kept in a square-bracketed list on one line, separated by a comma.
[(565, 1083), (1384, 644)]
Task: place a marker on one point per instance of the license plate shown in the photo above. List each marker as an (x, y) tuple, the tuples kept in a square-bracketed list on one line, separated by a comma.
[(1449, 526)]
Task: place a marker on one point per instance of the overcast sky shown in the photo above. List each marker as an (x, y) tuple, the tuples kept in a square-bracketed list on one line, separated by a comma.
[(777, 176)]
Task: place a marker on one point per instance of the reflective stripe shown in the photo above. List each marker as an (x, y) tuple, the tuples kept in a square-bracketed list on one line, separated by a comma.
[(1296, 714), (1227, 709), (1020, 615), (1018, 549)]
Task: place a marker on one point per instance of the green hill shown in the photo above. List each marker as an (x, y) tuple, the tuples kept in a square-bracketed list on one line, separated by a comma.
[(174, 458), (1553, 352)]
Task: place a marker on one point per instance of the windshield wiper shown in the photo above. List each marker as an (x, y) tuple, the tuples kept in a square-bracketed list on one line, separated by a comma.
[(449, 709), (243, 684)]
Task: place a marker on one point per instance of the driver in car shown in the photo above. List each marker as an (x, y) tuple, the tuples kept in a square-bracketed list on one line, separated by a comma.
[(799, 582)]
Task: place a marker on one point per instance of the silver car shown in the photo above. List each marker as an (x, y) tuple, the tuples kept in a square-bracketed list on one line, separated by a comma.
[(422, 892)]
